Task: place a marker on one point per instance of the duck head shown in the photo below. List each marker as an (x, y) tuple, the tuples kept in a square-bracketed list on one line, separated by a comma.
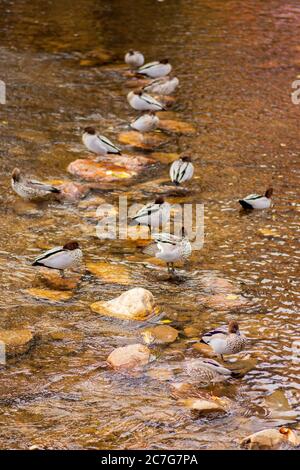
[(138, 92), (233, 327), (131, 52), (16, 175), (186, 159), (269, 193), (164, 61), (71, 246), (89, 130), (159, 200)]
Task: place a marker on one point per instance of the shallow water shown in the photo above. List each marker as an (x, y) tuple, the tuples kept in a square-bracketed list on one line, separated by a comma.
[(236, 61)]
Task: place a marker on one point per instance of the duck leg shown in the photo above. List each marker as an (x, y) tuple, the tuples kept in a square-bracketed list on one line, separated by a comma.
[(62, 274)]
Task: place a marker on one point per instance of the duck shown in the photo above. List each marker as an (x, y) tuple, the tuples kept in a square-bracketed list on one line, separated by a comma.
[(134, 58), (30, 189), (156, 69), (181, 170), (60, 257), (143, 102), (207, 371), (145, 123), (225, 339), (98, 144), (170, 248), (254, 201), (153, 214), (162, 86)]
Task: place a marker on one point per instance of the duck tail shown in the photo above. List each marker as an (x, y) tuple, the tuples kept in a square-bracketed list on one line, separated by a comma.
[(55, 190), (245, 204), (36, 263)]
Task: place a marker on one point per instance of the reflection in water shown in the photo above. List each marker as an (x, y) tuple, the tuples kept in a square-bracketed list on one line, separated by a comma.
[(236, 62)]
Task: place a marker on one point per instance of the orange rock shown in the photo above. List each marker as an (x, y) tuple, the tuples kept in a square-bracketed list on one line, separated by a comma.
[(49, 294), (93, 171), (131, 356), (176, 126), (73, 191), (143, 141)]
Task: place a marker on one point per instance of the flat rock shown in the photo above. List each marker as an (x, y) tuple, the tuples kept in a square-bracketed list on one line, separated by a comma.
[(16, 341), (110, 273), (159, 334), (71, 191), (179, 127), (206, 406), (49, 294), (97, 56), (134, 304), (224, 301), (191, 331), (54, 281), (165, 157), (129, 357), (99, 171), (271, 439), (145, 141)]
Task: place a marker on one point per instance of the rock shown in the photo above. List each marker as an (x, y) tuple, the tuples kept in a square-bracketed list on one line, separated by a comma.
[(105, 172), (110, 273), (191, 331), (204, 349), (165, 157), (16, 341), (134, 304), (278, 406), (159, 334), (206, 406), (134, 355), (98, 56), (49, 294), (131, 162), (268, 233), (53, 280), (145, 141), (180, 127), (270, 439), (73, 191), (224, 301), (92, 202)]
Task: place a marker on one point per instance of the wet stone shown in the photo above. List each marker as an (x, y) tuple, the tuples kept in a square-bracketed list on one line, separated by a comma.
[(129, 357), (16, 341), (159, 334), (110, 273), (170, 125), (92, 171), (50, 294), (145, 141), (134, 304)]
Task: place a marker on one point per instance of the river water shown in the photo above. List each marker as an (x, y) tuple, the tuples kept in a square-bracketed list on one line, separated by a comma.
[(236, 61)]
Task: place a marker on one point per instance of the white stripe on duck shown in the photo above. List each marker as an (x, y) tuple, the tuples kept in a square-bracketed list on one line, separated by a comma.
[(30, 189), (156, 69), (142, 102), (254, 201), (60, 257), (98, 143), (134, 58), (145, 123), (162, 86), (154, 214), (181, 170)]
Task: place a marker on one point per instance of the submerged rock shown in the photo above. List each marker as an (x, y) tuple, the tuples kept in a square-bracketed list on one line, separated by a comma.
[(134, 304), (71, 191), (206, 405), (129, 357), (110, 273), (99, 171), (53, 280), (271, 439), (49, 294), (180, 127), (145, 141), (159, 334), (224, 301), (16, 341)]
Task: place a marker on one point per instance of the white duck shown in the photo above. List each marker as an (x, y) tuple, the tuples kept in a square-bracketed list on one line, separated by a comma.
[(134, 58), (156, 69), (170, 248), (225, 340), (181, 170), (98, 143), (162, 86), (142, 102), (254, 201), (60, 257), (145, 123), (154, 214)]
